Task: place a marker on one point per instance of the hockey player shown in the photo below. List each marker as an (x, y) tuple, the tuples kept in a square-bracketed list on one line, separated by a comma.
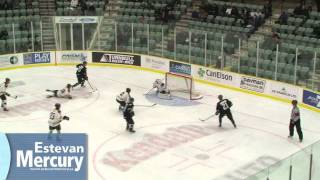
[(123, 98), (81, 74), (4, 94), (295, 120), (157, 83), (128, 113), (162, 90), (63, 93), (55, 119), (223, 108)]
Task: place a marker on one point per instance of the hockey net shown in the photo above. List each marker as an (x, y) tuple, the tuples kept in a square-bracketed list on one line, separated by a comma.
[(181, 86)]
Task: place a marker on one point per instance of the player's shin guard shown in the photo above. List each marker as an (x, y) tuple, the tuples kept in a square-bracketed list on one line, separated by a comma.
[(4, 105), (131, 128)]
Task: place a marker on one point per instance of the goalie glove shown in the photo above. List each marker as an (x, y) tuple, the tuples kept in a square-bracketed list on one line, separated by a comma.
[(65, 118)]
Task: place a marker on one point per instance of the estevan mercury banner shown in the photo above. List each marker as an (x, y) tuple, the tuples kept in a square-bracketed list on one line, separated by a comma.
[(43, 157)]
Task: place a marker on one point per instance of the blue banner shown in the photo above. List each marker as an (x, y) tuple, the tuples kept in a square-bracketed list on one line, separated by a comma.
[(40, 156), (311, 98), (180, 68), (36, 58)]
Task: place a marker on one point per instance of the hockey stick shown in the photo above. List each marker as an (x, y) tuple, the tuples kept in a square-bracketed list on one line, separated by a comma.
[(93, 89), (207, 118), (13, 97), (147, 92), (143, 105)]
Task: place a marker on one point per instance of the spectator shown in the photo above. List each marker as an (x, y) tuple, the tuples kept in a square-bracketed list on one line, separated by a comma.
[(74, 4), (91, 7), (228, 11), (5, 5), (301, 11), (268, 8), (83, 7), (235, 12), (283, 19), (275, 37), (195, 14)]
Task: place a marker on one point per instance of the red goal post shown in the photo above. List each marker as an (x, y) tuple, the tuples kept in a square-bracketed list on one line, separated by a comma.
[(181, 86)]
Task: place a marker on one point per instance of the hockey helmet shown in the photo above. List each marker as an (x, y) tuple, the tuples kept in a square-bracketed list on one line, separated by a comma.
[(57, 105), (7, 80), (220, 97), (294, 102), (128, 90)]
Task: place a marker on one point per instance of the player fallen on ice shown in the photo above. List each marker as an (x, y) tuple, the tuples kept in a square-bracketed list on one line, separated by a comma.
[(123, 98), (55, 119), (128, 113), (295, 121), (162, 91), (223, 108), (4, 94), (63, 93), (81, 74)]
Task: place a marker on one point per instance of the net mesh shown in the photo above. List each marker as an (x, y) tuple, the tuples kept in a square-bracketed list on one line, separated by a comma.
[(181, 86)]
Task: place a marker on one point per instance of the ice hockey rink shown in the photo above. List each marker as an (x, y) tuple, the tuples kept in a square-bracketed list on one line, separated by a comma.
[(170, 143)]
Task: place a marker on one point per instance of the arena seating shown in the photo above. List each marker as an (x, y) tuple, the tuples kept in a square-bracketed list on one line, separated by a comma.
[(16, 27), (151, 26), (91, 7)]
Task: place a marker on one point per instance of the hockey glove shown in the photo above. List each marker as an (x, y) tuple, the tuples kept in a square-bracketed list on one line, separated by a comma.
[(217, 113), (66, 118)]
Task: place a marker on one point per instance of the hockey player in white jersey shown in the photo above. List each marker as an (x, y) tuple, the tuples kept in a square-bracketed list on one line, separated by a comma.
[(162, 91), (4, 94), (63, 93), (123, 98), (55, 119)]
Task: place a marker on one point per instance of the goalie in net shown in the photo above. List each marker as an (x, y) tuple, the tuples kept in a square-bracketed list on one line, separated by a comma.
[(162, 91), (181, 86)]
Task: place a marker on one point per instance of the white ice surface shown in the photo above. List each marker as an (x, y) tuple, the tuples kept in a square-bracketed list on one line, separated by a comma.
[(221, 153)]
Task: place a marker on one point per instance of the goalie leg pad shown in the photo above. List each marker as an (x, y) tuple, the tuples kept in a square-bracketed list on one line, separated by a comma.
[(164, 96)]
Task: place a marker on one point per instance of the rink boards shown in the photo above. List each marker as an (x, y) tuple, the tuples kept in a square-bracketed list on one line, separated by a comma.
[(248, 84)]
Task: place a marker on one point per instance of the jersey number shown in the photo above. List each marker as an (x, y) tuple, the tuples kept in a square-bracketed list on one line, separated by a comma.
[(52, 115), (224, 105)]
